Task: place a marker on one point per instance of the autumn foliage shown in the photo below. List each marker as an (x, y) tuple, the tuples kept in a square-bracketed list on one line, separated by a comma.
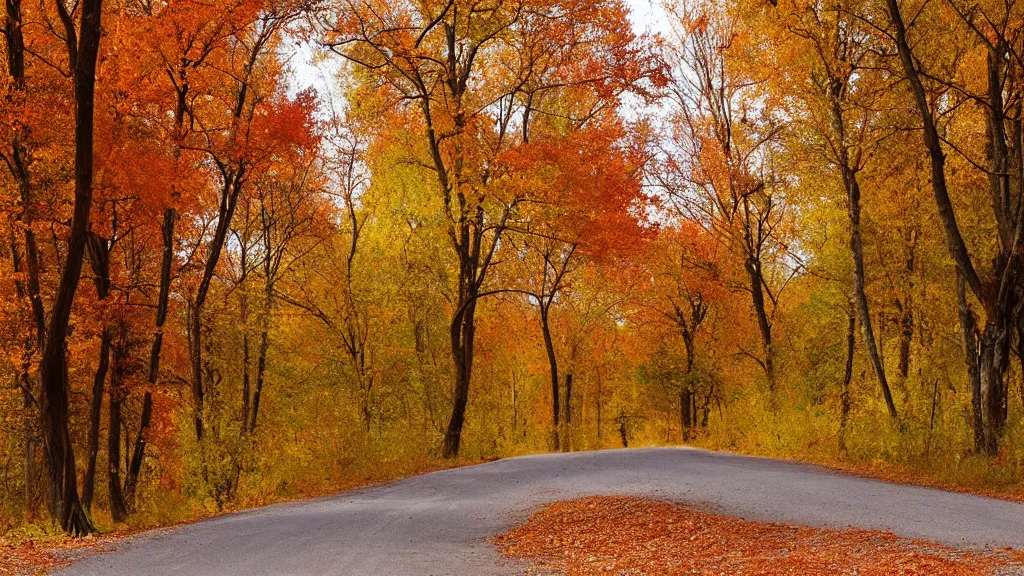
[(261, 249)]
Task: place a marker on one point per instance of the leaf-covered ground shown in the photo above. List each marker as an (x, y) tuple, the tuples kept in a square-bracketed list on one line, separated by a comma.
[(631, 536), (38, 556)]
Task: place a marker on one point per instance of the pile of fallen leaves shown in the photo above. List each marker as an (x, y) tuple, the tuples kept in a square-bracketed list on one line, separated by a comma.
[(30, 557), (621, 535)]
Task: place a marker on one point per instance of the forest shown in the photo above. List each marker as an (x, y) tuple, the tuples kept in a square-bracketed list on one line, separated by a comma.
[(778, 227)]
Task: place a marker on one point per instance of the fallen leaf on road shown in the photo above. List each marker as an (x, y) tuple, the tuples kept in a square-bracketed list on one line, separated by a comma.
[(632, 536)]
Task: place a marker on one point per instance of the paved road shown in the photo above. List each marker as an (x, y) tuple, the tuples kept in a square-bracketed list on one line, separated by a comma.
[(438, 524)]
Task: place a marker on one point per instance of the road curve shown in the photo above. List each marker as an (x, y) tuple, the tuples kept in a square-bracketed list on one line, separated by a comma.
[(439, 524)]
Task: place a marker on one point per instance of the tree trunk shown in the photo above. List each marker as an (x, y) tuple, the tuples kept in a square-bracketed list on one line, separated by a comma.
[(232, 188), (261, 371), (19, 167), (549, 347), (462, 334), (98, 249), (567, 442), (622, 431), (31, 472), (65, 506), (860, 293), (131, 479), (993, 363), (599, 392), (764, 324), (118, 509), (89, 482), (906, 338), (845, 398), (167, 260), (246, 390), (969, 332)]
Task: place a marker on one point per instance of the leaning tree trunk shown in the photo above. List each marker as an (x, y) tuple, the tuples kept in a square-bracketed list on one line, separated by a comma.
[(65, 506), (549, 347), (232, 188), (131, 479), (860, 293)]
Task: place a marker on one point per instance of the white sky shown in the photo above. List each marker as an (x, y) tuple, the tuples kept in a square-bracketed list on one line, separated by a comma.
[(647, 16)]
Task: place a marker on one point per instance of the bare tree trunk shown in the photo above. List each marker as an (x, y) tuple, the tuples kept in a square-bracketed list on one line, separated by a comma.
[(118, 392), (261, 371), (89, 482), (567, 444), (131, 479), (764, 324), (246, 391), (65, 506), (462, 334), (549, 347), (845, 398), (860, 293), (99, 258), (118, 509), (167, 260), (906, 338), (969, 332)]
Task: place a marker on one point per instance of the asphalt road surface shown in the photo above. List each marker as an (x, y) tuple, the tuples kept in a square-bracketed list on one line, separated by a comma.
[(439, 524)]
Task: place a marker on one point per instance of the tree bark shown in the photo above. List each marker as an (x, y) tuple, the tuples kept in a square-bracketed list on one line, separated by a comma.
[(764, 324), (462, 334), (118, 509), (567, 443), (131, 479), (65, 506), (969, 333), (261, 371), (99, 259), (860, 292), (167, 260), (549, 347), (845, 397), (231, 190), (89, 482)]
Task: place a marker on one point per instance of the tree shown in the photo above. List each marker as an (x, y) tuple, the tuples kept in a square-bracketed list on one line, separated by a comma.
[(718, 161), (987, 348), (65, 506), (439, 60), (843, 112)]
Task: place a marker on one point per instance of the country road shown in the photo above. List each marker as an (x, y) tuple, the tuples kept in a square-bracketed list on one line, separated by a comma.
[(439, 524)]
